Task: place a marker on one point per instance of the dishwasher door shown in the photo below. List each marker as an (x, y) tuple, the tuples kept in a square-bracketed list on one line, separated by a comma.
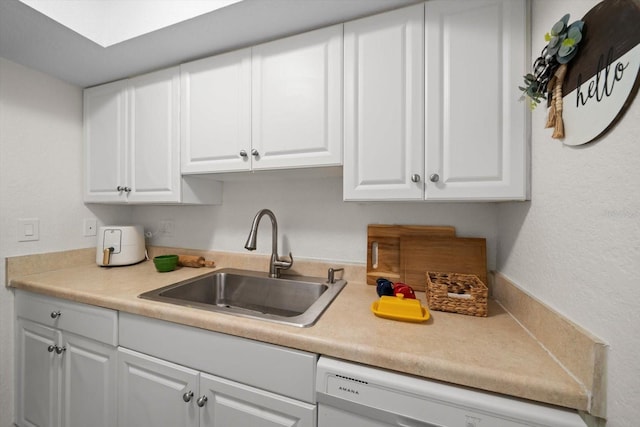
[(353, 395), (331, 416)]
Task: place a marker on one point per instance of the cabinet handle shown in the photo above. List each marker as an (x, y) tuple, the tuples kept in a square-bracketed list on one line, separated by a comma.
[(55, 314), (60, 350), (201, 401), (415, 178), (255, 153), (434, 177), (243, 153), (187, 396), (51, 348), (120, 188), (127, 189)]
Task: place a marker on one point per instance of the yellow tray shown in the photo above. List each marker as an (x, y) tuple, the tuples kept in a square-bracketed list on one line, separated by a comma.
[(398, 308)]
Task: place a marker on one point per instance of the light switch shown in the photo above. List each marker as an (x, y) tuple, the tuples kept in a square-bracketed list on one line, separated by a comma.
[(28, 229)]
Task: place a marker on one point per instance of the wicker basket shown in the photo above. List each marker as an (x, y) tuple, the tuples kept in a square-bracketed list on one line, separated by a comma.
[(457, 293)]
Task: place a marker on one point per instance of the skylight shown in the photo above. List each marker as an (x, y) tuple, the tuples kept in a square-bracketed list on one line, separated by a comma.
[(108, 22)]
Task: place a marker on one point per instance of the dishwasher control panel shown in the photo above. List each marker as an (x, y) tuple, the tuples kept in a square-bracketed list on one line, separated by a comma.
[(355, 395)]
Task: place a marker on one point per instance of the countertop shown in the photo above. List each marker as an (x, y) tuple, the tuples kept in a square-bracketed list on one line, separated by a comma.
[(493, 353)]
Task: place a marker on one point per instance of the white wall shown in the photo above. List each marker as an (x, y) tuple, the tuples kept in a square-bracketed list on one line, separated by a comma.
[(313, 221), (40, 177), (576, 245)]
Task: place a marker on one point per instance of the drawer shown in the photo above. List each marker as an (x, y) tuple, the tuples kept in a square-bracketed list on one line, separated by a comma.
[(277, 369), (100, 324)]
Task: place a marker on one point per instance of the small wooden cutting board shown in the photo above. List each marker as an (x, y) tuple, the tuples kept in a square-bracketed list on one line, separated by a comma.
[(454, 255), (383, 247)]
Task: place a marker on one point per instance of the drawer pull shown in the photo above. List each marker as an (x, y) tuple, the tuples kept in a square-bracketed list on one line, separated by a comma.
[(187, 396), (201, 401), (51, 348), (55, 314)]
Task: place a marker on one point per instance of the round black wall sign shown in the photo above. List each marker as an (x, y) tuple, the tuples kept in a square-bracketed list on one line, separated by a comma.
[(603, 79)]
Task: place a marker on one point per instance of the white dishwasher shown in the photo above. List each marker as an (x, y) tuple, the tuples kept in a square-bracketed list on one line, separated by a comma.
[(353, 395)]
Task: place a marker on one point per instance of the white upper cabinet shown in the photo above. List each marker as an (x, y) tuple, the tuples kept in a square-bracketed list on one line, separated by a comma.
[(105, 141), (384, 99), (476, 128), (132, 143), (432, 106), (154, 139), (277, 105), (216, 113), (297, 101)]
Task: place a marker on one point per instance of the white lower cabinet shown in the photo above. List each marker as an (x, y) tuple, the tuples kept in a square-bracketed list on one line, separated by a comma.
[(38, 376), (154, 392), (233, 404), (64, 378), (70, 372), (204, 378)]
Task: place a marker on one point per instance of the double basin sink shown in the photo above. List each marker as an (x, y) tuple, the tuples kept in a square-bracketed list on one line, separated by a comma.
[(291, 300)]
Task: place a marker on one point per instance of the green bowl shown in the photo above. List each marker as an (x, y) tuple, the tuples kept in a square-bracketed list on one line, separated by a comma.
[(165, 263)]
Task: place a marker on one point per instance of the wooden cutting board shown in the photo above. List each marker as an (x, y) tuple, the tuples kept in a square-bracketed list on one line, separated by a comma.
[(383, 247), (454, 255)]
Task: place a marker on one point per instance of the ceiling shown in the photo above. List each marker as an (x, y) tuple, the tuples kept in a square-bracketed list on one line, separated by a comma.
[(109, 22), (30, 38)]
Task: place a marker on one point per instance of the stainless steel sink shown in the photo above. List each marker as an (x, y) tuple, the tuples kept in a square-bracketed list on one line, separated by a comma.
[(291, 300)]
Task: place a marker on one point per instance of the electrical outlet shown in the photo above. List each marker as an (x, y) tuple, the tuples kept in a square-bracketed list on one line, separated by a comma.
[(167, 227), (90, 227)]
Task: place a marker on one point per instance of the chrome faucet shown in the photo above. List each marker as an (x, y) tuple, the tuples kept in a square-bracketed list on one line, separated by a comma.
[(276, 263)]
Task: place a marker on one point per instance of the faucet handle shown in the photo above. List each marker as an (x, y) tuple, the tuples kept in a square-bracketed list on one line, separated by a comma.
[(284, 264)]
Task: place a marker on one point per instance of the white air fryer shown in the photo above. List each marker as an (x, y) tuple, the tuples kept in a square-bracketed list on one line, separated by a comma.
[(120, 245)]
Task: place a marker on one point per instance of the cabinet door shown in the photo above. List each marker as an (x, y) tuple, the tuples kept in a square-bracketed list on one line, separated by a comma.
[(475, 126), (297, 100), (89, 383), (105, 124), (216, 113), (384, 97), (155, 393), (38, 375), (234, 404), (154, 144)]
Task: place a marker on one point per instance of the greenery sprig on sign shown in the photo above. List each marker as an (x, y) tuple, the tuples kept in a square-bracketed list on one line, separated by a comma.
[(562, 46)]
